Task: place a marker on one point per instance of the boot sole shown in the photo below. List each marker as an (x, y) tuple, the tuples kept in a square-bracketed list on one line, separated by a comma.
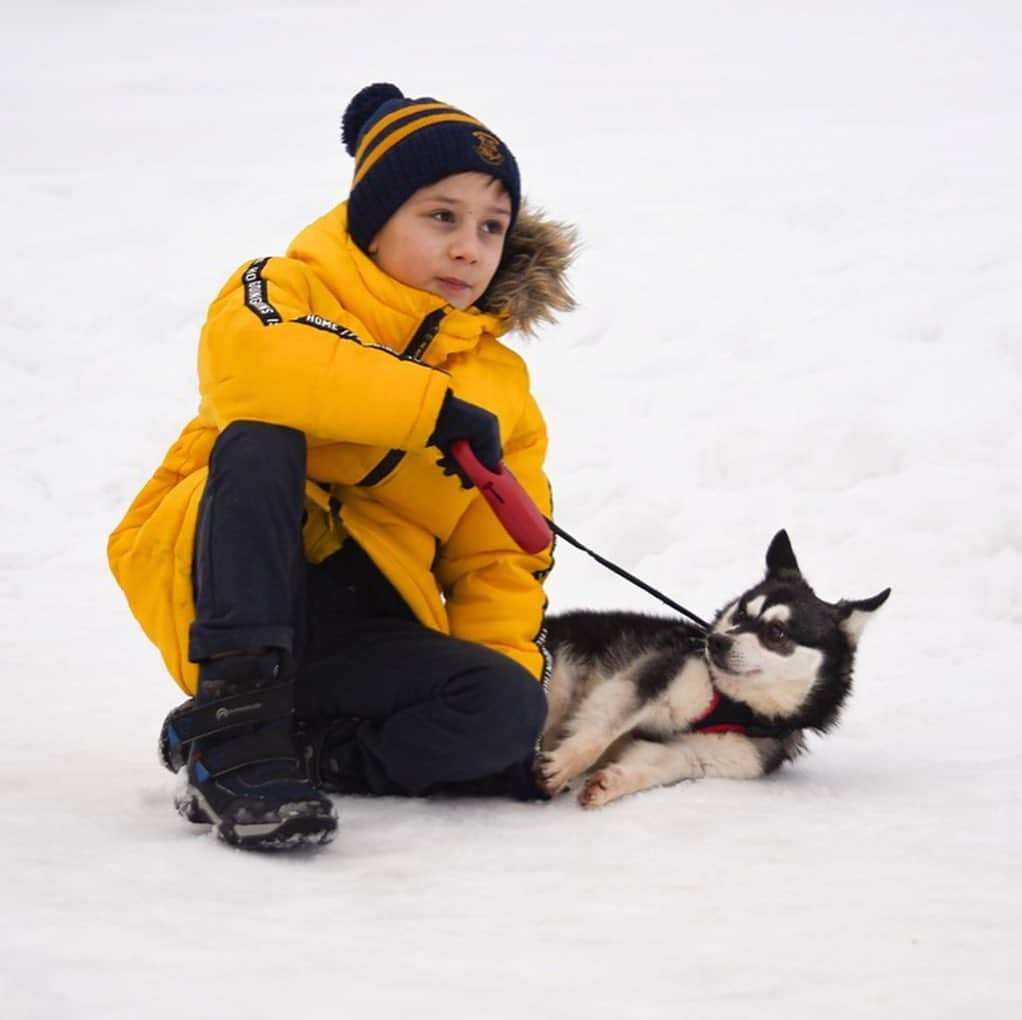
[(310, 824)]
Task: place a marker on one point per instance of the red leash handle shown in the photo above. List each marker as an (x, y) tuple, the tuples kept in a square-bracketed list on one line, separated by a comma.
[(508, 500)]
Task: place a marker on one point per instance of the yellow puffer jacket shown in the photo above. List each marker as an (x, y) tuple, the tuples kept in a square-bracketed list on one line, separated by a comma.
[(325, 342)]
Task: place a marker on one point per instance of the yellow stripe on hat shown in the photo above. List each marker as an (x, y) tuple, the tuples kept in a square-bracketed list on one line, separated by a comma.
[(401, 133), (405, 111)]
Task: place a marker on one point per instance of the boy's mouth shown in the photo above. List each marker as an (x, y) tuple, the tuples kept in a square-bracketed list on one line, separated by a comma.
[(454, 283)]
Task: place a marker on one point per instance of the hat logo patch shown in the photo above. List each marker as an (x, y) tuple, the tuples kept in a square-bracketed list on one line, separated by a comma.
[(488, 148)]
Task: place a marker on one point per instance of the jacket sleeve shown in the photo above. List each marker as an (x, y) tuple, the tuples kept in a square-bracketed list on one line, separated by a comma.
[(494, 591), (265, 356)]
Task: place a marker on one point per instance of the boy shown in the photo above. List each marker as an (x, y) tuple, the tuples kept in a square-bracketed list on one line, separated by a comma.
[(348, 616)]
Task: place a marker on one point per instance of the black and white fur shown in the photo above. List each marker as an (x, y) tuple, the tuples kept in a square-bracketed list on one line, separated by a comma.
[(628, 692)]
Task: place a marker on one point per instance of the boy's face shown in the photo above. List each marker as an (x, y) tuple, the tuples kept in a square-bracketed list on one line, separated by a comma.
[(447, 238)]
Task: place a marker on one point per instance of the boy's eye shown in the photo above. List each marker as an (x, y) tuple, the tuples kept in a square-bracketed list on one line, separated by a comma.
[(442, 215), (494, 227)]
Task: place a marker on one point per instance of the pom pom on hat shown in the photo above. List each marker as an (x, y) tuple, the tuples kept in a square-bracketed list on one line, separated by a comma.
[(361, 109), (401, 145)]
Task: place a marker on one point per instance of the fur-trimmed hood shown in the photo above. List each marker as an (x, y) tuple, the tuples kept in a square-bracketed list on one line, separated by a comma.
[(531, 284), (529, 288)]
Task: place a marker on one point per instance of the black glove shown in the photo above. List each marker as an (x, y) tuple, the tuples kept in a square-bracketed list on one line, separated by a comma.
[(458, 419)]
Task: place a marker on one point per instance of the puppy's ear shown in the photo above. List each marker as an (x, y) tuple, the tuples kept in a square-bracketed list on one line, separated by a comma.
[(780, 559), (854, 615)]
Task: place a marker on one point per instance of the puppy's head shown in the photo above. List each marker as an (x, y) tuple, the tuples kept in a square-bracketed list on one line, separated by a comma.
[(783, 651)]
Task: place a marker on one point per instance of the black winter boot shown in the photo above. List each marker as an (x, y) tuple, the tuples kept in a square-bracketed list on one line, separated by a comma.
[(333, 762), (243, 772)]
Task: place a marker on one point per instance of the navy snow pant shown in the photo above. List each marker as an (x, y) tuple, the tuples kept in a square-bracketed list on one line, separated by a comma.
[(434, 711)]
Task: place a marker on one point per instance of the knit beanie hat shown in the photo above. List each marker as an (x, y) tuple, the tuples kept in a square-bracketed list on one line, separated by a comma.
[(401, 145)]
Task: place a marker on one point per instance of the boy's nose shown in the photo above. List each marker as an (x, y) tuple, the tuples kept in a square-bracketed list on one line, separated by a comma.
[(465, 246)]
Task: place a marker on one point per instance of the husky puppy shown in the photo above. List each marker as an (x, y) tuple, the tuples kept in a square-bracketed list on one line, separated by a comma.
[(653, 700)]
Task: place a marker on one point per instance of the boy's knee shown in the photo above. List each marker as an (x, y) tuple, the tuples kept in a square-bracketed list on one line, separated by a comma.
[(508, 702), (257, 443)]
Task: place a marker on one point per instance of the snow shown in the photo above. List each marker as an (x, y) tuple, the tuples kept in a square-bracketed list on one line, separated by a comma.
[(800, 307)]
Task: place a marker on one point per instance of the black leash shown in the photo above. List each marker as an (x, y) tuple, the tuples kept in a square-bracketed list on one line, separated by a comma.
[(528, 527), (702, 624)]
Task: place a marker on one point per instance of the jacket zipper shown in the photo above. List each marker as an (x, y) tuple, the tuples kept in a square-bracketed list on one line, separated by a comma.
[(419, 344)]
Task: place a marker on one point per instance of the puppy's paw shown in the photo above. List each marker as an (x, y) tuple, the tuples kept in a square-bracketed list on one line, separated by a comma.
[(551, 774), (556, 769), (602, 787)]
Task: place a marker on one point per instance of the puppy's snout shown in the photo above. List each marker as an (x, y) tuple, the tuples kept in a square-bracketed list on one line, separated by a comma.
[(719, 645)]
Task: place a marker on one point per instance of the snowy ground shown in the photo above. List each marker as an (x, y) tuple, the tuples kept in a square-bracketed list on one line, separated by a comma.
[(800, 306)]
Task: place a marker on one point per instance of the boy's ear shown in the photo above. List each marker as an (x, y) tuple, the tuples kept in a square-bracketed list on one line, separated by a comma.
[(854, 615)]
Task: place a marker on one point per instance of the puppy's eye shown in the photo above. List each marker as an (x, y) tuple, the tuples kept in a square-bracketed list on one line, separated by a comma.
[(776, 633), (738, 616)]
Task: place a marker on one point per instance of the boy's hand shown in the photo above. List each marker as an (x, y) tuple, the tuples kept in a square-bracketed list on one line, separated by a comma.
[(458, 419)]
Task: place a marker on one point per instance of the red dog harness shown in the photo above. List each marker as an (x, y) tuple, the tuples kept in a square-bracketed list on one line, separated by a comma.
[(725, 715)]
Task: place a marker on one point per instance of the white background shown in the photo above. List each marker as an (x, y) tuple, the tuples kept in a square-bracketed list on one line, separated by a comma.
[(800, 306)]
